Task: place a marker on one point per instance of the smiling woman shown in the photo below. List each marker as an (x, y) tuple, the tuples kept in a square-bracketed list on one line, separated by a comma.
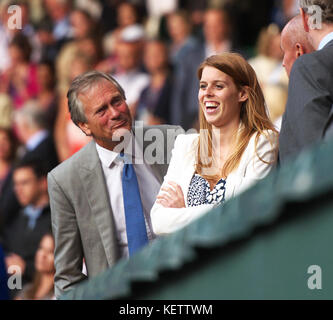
[(236, 145)]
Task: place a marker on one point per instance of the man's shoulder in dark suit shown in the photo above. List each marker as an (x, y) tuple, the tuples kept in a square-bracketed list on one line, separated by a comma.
[(310, 99)]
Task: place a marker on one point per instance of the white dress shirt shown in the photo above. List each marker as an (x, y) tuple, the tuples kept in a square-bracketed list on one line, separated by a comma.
[(148, 186), (328, 38)]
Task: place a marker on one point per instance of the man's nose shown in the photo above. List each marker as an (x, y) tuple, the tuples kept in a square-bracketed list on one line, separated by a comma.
[(113, 112)]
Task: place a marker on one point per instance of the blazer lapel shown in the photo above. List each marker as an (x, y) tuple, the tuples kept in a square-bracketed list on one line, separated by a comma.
[(92, 175)]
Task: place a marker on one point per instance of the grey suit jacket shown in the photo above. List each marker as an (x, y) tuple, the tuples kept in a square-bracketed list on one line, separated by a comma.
[(82, 219), (310, 101)]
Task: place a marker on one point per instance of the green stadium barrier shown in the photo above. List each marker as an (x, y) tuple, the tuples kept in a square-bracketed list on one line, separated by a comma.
[(259, 245)]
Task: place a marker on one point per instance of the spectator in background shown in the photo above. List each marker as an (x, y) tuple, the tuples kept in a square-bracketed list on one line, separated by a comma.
[(68, 137), (270, 72), (42, 286), (32, 132), (47, 97), (283, 11), (184, 104), (154, 101), (20, 79), (8, 146), (22, 236), (84, 32), (59, 11), (179, 29), (129, 56), (127, 15), (47, 47)]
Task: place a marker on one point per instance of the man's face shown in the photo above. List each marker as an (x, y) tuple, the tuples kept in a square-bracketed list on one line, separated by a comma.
[(215, 26), (107, 114), (289, 53), (27, 186)]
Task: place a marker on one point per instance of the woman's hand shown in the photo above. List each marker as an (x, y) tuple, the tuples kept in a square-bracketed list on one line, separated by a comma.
[(171, 197)]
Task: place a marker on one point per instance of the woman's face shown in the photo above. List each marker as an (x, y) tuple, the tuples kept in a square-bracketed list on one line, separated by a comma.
[(5, 146), (44, 261), (219, 98)]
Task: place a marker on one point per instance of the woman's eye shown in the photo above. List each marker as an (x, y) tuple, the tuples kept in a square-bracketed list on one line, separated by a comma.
[(219, 86), (202, 86)]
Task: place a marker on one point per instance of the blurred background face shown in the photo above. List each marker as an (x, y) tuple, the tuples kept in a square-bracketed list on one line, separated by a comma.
[(215, 26), (56, 9), (45, 76), (16, 54), (178, 28), (128, 55), (126, 15), (155, 56), (5, 146), (80, 23), (44, 260), (27, 186)]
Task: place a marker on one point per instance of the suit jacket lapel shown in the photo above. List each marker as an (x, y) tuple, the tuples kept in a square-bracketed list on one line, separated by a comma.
[(92, 175)]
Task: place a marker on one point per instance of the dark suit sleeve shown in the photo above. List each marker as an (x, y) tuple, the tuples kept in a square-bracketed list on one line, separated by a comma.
[(308, 106), (68, 246)]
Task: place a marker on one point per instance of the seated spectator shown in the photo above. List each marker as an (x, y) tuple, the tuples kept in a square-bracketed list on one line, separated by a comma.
[(68, 137), (154, 101), (235, 148), (47, 97), (42, 286), (32, 131), (270, 72), (129, 73), (59, 10), (8, 146), (126, 15), (22, 236), (179, 30), (20, 79)]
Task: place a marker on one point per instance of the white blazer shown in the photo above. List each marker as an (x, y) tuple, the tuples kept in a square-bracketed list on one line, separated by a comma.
[(182, 168)]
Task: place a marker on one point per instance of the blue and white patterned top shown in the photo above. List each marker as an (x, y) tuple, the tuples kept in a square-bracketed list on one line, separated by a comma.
[(199, 192)]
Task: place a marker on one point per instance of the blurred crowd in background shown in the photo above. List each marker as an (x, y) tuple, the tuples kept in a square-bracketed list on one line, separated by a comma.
[(152, 47)]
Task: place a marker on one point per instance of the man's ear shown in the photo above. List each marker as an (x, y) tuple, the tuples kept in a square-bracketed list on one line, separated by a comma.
[(243, 96), (85, 128), (305, 19), (299, 50)]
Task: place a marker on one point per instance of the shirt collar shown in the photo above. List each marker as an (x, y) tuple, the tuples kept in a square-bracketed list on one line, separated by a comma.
[(36, 139), (132, 151), (328, 38)]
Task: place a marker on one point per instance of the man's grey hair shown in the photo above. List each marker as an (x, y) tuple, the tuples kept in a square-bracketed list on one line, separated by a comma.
[(81, 84), (32, 114), (325, 5)]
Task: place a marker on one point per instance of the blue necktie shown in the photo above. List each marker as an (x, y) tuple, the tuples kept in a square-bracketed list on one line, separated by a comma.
[(135, 222)]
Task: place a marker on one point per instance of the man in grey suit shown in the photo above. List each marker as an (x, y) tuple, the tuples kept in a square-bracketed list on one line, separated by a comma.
[(89, 205), (310, 96)]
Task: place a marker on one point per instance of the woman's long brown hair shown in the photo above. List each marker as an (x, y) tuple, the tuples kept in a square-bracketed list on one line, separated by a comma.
[(253, 115)]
